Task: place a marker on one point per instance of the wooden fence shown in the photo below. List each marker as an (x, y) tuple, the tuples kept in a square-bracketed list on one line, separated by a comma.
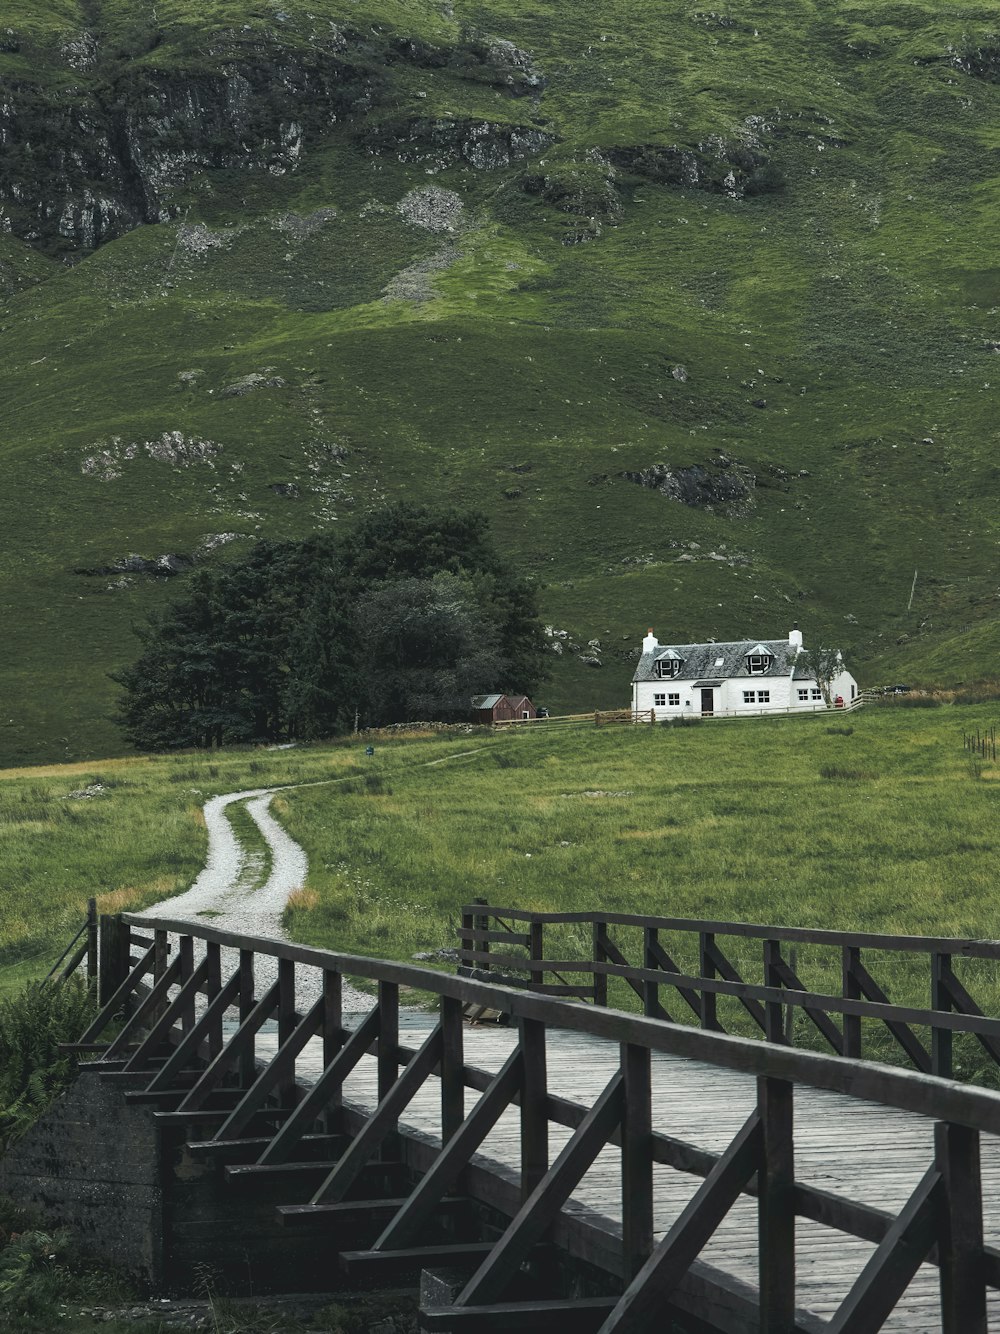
[(511, 943), (162, 1031)]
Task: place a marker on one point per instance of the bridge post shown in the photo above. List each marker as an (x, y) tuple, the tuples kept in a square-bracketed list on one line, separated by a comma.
[(113, 951), (776, 1207), (941, 1038), (534, 1106), (960, 1242)]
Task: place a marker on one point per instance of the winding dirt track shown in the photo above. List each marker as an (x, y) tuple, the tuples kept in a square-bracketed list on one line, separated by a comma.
[(232, 891)]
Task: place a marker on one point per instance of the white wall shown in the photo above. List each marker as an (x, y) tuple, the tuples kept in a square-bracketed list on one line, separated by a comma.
[(782, 692)]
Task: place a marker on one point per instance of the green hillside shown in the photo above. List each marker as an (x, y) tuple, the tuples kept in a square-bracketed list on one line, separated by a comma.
[(265, 265)]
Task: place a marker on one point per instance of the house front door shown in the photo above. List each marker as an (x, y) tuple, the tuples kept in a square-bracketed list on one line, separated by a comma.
[(707, 703)]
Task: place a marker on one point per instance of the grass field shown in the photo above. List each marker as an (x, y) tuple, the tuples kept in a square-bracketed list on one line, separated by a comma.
[(876, 821)]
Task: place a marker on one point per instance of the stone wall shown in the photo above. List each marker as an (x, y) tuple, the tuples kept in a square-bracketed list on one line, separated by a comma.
[(92, 1163)]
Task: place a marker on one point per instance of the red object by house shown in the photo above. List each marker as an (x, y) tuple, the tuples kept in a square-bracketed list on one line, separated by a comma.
[(502, 708)]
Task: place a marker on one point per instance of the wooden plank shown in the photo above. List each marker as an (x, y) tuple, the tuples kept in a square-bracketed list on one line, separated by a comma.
[(168, 1016), (906, 1090), (726, 970), (670, 1261), (776, 1206), (239, 1047), (382, 1122), (326, 1087), (961, 947), (138, 1016), (637, 1159), (534, 1106), (452, 1068), (275, 1075), (119, 996), (380, 1267), (455, 1154), (899, 1255), (491, 1279), (960, 1245), (189, 1044), (582, 1315), (906, 1038)]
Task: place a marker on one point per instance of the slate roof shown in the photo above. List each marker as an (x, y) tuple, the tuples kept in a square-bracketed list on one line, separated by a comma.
[(701, 661), (485, 701)]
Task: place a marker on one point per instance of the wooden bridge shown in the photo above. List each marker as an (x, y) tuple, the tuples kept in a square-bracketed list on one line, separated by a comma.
[(575, 1167)]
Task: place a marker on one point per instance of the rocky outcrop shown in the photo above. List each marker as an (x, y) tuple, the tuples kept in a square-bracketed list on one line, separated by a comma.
[(487, 145), (721, 485), (82, 162), (718, 166), (161, 567)]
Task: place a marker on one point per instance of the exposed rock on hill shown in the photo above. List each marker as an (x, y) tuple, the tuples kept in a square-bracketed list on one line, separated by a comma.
[(484, 144), (720, 485)]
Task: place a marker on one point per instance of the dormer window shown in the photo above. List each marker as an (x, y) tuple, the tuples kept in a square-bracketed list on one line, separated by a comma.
[(759, 661), (669, 665)]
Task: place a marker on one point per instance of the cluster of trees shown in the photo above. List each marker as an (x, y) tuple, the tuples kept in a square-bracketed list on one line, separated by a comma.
[(404, 618)]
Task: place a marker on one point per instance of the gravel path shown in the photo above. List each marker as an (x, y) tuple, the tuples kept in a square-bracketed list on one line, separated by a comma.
[(232, 893), (236, 892)]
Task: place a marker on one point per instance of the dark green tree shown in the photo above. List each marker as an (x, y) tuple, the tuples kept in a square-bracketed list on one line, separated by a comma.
[(407, 617)]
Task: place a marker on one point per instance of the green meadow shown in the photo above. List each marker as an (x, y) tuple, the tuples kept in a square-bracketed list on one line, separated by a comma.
[(877, 821)]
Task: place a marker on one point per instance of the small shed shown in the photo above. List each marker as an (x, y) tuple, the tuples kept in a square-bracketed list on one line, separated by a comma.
[(502, 708)]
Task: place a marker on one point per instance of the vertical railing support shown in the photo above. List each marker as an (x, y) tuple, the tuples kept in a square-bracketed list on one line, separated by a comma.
[(286, 1025), (186, 955), (637, 1160), (850, 958), (534, 1106), (481, 922), (452, 1067), (774, 1019), (536, 951), (709, 1017), (213, 985), (776, 1207), (941, 1038), (599, 932), (114, 939), (960, 1240), (92, 951), (248, 1060), (388, 1037), (650, 990)]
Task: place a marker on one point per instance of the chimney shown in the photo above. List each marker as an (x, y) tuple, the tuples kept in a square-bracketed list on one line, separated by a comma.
[(795, 636), (650, 643)]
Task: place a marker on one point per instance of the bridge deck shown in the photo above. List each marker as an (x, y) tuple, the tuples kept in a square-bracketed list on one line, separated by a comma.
[(866, 1153)]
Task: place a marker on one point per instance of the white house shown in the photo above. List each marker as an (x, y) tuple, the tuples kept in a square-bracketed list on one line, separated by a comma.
[(747, 677)]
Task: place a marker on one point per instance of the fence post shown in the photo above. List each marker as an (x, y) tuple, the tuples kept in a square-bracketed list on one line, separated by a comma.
[(851, 991), (650, 990), (941, 1038), (536, 950), (92, 929), (709, 1020), (960, 1244), (600, 936), (776, 1207), (113, 955), (774, 1027), (481, 922)]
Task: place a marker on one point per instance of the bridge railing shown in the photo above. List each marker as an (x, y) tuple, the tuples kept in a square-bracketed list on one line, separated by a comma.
[(577, 954), (172, 985)]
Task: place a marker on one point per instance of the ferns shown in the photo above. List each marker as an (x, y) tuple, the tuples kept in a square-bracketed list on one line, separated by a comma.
[(33, 1071)]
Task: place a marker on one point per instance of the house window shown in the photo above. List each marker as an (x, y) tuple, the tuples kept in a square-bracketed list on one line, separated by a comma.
[(803, 694), (525, 713), (763, 696), (659, 700), (668, 667), (674, 700), (758, 663), (749, 696), (816, 694)]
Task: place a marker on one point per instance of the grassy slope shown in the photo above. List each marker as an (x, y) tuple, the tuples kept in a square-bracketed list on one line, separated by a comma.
[(858, 304)]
